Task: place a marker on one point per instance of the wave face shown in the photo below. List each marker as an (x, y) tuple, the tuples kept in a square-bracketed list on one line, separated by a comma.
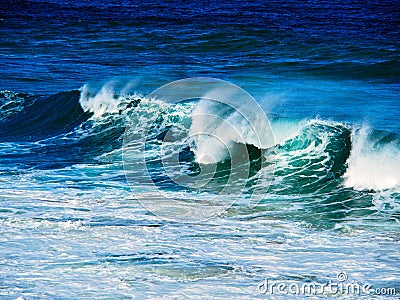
[(27, 118), (309, 156)]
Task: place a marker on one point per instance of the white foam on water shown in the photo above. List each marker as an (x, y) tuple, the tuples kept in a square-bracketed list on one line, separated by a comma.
[(370, 167), (101, 102)]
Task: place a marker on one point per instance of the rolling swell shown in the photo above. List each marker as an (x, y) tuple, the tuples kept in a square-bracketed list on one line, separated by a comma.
[(54, 131), (43, 117)]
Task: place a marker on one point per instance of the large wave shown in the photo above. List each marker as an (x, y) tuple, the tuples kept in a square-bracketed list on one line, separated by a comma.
[(88, 125)]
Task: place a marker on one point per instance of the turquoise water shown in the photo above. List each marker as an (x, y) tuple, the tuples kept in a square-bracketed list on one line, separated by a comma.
[(74, 75)]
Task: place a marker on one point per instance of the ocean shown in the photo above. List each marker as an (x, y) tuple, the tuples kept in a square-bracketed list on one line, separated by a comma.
[(199, 150)]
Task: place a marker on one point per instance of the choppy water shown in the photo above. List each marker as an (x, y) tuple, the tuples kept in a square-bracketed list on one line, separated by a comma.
[(74, 75)]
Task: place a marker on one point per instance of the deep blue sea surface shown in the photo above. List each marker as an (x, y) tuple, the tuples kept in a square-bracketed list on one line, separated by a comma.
[(74, 74)]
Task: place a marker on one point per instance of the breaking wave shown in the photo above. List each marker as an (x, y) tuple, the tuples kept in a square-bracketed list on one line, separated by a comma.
[(88, 126)]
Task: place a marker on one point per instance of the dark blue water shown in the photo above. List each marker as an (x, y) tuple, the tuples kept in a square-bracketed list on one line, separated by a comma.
[(72, 75)]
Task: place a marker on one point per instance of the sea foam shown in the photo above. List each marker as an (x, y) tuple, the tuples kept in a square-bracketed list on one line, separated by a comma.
[(371, 165)]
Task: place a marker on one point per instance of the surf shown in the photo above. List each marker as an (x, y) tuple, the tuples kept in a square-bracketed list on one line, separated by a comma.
[(309, 155)]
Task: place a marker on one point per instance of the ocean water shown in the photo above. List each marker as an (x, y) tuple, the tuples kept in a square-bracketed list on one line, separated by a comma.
[(77, 220)]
